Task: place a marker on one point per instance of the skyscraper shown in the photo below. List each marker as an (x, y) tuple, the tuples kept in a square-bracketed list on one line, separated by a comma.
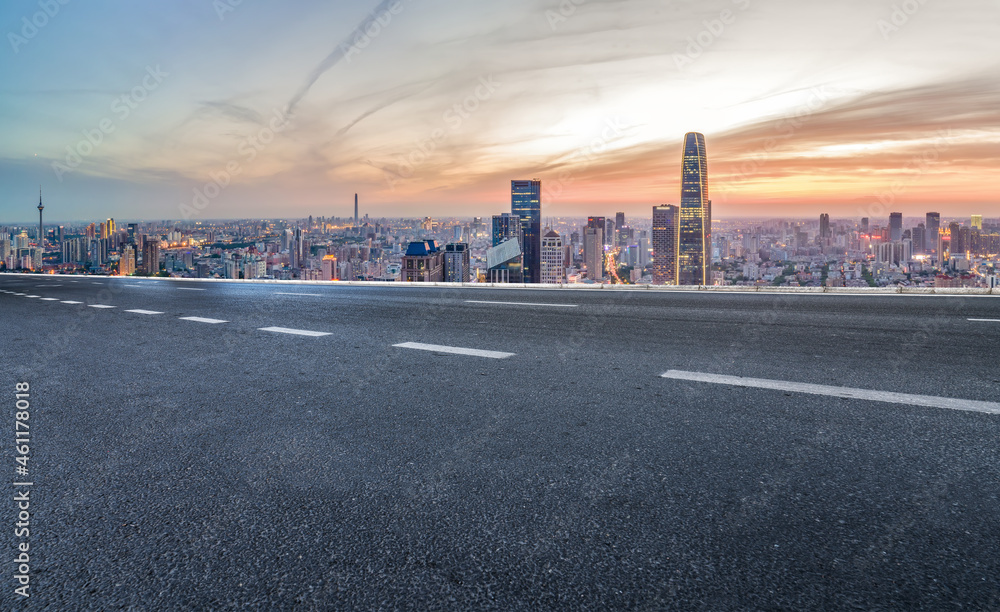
[(526, 203), (151, 256), (931, 231), (553, 265), (824, 226), (895, 227), (693, 255), (505, 227), (457, 263), (593, 252), (666, 244), (977, 222), (355, 210), (593, 249), (957, 245), (126, 264)]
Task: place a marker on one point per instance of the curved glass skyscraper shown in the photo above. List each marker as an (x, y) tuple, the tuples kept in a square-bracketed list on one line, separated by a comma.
[(694, 256)]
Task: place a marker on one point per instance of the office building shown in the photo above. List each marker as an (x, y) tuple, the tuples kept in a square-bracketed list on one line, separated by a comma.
[(693, 255), (593, 251), (824, 226), (457, 263), (932, 230), (957, 245), (503, 262), (553, 258), (895, 227), (423, 263), (505, 227), (666, 244), (977, 222), (526, 203)]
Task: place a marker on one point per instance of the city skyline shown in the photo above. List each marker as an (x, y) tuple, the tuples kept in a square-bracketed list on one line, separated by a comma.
[(431, 116)]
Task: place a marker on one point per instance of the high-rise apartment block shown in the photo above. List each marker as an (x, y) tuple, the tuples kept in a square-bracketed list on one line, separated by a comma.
[(666, 244), (457, 263), (553, 263)]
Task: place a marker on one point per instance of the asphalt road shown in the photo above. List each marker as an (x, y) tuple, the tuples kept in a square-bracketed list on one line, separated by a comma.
[(183, 464)]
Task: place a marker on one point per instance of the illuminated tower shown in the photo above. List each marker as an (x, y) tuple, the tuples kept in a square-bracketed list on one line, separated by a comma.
[(41, 233), (977, 222), (41, 230), (693, 255)]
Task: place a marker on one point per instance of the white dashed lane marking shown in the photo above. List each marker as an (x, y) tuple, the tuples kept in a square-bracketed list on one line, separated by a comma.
[(986, 320), (189, 289), (50, 299), (203, 320), (845, 392), (70, 302), (522, 304), (295, 332), (100, 306), (145, 312), (307, 294), (454, 350)]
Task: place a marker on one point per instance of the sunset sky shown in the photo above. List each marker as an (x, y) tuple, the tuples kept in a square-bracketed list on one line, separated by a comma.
[(855, 107)]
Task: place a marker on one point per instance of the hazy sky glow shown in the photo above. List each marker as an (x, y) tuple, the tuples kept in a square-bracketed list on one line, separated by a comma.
[(852, 107)]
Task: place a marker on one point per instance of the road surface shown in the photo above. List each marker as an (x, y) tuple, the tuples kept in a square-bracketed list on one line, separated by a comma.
[(242, 446)]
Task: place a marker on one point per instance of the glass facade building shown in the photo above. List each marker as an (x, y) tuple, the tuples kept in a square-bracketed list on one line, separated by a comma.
[(526, 203), (693, 253)]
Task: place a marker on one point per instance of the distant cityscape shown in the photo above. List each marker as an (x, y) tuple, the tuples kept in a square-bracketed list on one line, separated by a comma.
[(677, 245)]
